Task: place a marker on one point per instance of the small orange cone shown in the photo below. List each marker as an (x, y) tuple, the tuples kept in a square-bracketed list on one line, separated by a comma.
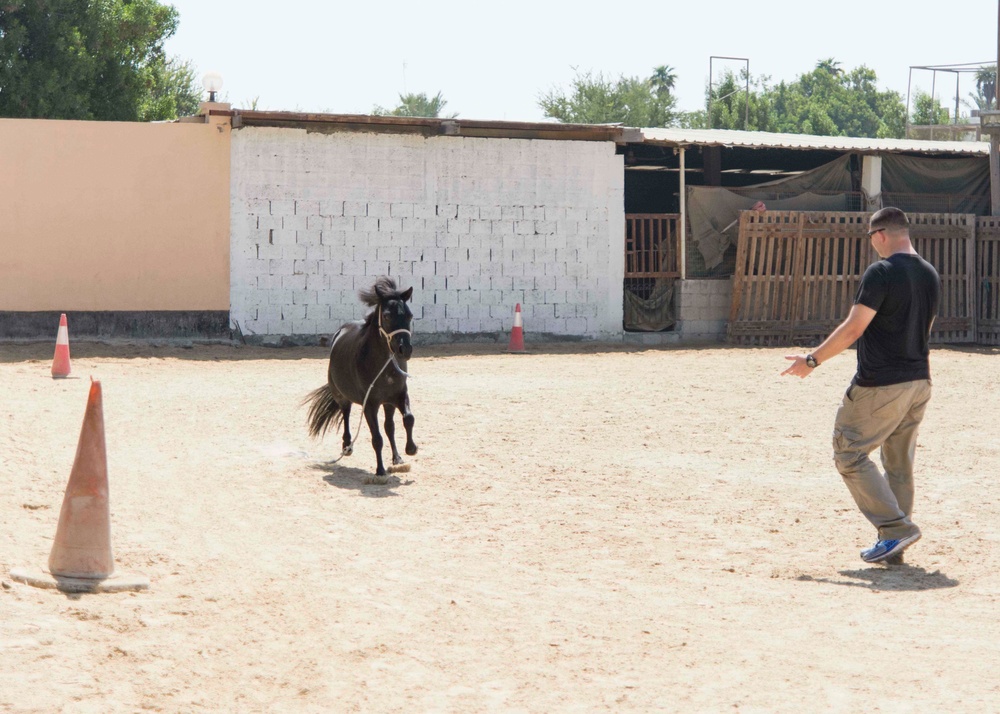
[(517, 333), (81, 559), (60, 362)]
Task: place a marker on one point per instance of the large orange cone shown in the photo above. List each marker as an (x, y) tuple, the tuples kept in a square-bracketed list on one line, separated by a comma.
[(60, 362), (82, 548), (517, 333), (81, 559)]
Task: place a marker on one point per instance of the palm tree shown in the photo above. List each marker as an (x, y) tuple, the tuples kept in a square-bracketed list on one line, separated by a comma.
[(663, 80), (830, 65), (417, 105), (986, 85)]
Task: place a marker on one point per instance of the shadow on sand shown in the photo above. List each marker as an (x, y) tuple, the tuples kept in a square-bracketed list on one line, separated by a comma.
[(890, 578), (361, 480)]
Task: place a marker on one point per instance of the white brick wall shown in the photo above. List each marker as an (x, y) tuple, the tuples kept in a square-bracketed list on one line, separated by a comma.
[(703, 308), (474, 225)]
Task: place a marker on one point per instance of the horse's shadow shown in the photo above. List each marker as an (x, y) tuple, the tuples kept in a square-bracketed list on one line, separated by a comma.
[(364, 482), (894, 578)]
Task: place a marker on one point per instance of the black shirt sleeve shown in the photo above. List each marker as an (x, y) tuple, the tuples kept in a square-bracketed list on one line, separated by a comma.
[(874, 287)]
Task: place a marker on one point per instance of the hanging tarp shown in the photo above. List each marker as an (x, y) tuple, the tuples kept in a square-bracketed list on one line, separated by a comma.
[(714, 214), (713, 211), (654, 313), (959, 185), (833, 177)]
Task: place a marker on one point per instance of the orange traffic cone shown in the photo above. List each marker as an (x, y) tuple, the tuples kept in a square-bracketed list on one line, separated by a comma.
[(81, 559), (82, 547), (60, 362), (517, 333)]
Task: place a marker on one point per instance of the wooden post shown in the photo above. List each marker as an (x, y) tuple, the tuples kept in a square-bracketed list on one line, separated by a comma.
[(871, 181), (995, 139), (711, 161), (682, 253)]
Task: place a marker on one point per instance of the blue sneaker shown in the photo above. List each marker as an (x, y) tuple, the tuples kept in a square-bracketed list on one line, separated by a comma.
[(884, 549)]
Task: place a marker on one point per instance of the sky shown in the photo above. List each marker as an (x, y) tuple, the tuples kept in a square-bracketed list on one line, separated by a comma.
[(493, 61)]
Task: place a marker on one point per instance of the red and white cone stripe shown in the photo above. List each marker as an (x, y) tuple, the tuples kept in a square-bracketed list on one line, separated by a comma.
[(516, 334), (60, 361)]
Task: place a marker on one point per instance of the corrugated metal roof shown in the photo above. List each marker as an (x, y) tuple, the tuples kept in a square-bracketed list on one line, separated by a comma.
[(767, 140)]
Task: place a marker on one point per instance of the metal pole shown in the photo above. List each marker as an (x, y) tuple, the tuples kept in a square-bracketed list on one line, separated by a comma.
[(709, 106), (710, 86), (934, 104), (746, 122), (909, 83), (957, 77)]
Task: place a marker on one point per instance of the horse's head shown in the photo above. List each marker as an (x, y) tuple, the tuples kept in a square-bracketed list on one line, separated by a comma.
[(394, 318)]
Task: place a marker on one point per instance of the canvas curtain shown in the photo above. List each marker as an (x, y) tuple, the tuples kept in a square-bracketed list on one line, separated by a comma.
[(964, 180), (714, 212)]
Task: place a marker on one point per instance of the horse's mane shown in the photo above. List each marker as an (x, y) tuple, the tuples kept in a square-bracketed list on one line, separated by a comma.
[(385, 285), (369, 296)]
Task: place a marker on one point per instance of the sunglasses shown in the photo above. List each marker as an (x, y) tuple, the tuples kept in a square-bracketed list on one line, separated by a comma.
[(877, 230)]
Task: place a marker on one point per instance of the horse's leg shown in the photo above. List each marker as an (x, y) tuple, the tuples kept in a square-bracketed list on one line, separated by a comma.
[(404, 407), (371, 416), (390, 432), (345, 409)]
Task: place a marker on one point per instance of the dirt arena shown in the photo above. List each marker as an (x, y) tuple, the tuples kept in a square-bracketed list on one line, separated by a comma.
[(585, 528)]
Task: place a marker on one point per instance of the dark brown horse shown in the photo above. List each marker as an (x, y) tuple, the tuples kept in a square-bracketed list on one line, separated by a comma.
[(368, 367)]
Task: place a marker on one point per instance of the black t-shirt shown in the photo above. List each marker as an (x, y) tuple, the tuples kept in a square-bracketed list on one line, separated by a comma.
[(904, 290)]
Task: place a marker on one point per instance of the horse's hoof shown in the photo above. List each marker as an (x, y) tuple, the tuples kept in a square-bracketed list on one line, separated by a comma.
[(398, 468), (411, 449), (348, 450), (377, 479)]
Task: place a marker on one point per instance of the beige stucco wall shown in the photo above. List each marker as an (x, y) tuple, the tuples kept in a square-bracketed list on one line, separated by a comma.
[(113, 216)]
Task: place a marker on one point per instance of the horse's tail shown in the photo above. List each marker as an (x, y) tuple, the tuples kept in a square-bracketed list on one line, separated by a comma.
[(324, 411)]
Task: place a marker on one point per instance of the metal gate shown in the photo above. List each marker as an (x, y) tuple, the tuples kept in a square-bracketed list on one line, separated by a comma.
[(651, 245), (652, 265)]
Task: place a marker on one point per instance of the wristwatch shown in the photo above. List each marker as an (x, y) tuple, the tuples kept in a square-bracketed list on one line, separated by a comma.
[(811, 362)]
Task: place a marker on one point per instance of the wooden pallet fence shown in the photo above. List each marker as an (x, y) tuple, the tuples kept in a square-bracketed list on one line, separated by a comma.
[(948, 242), (988, 280), (797, 274)]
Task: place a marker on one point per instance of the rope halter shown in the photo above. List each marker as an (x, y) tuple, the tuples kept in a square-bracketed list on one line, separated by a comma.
[(388, 342)]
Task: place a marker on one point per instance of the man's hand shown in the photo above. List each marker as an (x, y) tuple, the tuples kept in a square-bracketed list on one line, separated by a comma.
[(798, 368)]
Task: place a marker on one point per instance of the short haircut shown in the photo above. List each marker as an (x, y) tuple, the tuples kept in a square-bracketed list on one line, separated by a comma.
[(890, 219)]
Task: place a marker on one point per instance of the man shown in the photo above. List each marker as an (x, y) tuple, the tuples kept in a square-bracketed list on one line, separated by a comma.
[(891, 321)]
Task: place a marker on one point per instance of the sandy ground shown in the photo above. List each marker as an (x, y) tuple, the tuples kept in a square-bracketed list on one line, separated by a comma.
[(585, 528)]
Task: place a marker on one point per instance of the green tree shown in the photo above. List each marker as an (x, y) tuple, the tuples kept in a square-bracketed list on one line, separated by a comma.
[(627, 100), (826, 101), (174, 92), (733, 107), (416, 105), (928, 110), (839, 103), (103, 59)]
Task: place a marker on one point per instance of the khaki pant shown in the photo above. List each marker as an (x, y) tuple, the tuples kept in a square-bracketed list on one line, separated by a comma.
[(888, 418)]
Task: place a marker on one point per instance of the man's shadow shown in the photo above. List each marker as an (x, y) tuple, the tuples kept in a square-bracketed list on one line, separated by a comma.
[(901, 577), (364, 482)]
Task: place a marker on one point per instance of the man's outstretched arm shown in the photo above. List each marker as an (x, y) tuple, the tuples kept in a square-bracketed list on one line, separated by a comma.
[(839, 340)]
